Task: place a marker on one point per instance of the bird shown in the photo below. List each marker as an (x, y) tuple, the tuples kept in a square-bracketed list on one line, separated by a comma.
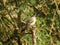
[(30, 23)]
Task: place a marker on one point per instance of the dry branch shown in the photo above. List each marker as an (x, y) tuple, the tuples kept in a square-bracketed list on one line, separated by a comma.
[(33, 35)]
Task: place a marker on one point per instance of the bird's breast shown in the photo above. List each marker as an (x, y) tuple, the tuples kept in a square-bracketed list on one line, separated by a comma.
[(34, 20)]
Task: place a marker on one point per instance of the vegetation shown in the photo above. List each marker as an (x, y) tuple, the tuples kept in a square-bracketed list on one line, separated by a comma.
[(14, 15)]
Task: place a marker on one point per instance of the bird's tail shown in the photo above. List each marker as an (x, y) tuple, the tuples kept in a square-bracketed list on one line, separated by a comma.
[(24, 28)]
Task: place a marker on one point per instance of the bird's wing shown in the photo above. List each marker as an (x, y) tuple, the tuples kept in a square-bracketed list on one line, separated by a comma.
[(30, 21)]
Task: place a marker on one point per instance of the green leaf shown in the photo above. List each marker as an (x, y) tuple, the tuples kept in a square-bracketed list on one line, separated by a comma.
[(33, 2), (1, 43)]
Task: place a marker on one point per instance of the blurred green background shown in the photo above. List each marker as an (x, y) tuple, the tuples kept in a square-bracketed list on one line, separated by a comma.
[(14, 15)]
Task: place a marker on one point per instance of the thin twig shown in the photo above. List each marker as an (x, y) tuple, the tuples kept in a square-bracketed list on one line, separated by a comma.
[(56, 4)]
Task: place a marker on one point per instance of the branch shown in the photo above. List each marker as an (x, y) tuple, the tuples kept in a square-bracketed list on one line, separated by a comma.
[(33, 35)]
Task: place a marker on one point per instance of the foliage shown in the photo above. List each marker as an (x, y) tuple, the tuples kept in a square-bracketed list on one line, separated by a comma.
[(14, 15)]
